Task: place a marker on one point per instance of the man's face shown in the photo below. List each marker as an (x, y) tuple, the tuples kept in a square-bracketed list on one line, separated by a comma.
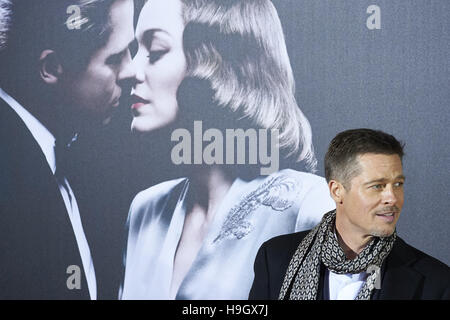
[(96, 91), (372, 205)]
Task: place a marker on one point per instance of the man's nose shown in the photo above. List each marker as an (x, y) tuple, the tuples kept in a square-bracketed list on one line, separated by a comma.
[(389, 195), (127, 74)]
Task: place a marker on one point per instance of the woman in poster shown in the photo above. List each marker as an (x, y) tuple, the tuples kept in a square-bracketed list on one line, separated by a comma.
[(223, 64)]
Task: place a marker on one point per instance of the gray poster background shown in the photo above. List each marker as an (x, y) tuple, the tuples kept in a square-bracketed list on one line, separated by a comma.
[(395, 79)]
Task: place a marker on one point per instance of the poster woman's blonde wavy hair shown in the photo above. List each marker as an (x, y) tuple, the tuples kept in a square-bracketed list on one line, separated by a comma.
[(238, 46)]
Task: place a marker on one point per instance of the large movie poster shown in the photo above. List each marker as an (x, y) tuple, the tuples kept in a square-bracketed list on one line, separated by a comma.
[(149, 148)]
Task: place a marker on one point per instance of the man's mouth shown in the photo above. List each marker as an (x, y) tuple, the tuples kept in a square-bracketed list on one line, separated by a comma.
[(387, 218), (386, 215), (116, 102)]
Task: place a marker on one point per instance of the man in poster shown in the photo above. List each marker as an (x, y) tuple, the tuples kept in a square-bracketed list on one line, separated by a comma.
[(61, 74)]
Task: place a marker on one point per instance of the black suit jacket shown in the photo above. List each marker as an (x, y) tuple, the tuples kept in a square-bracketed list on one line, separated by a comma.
[(37, 242), (406, 273)]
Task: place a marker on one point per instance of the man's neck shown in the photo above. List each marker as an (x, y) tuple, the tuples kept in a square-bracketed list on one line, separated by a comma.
[(36, 106), (52, 112), (352, 243)]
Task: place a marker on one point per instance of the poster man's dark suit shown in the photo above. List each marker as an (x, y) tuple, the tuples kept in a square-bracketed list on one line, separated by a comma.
[(37, 242), (406, 273)]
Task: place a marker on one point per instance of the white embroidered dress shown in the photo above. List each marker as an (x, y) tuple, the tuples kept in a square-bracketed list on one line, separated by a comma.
[(251, 213)]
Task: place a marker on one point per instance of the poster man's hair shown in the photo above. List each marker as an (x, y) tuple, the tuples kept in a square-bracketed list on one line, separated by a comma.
[(29, 27)]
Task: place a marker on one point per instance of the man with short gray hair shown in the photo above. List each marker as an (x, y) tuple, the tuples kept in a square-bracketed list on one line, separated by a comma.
[(63, 66), (354, 253)]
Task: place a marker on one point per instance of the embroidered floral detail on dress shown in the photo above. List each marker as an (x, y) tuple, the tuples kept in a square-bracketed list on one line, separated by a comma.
[(278, 192)]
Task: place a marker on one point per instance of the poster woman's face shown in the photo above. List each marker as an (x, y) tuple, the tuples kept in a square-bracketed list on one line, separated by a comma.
[(160, 65)]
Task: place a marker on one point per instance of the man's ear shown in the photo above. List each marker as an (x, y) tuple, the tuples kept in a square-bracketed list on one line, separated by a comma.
[(337, 191), (50, 67)]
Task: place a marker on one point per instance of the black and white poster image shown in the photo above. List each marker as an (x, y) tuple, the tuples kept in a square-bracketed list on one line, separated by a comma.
[(149, 148)]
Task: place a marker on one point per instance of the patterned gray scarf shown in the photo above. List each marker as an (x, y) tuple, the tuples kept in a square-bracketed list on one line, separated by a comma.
[(321, 245)]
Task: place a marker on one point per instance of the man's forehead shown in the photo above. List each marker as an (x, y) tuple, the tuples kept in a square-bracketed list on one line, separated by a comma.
[(120, 8), (379, 166), (121, 30), (121, 23), (374, 159)]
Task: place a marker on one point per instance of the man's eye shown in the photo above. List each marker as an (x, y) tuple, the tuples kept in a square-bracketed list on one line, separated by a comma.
[(155, 55), (398, 184), (377, 187), (115, 59)]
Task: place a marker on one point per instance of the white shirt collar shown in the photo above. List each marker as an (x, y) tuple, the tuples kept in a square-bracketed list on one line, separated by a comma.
[(41, 134)]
